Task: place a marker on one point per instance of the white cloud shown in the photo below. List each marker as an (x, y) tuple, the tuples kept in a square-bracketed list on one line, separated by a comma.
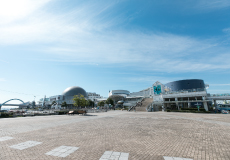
[(4, 61), (39, 26), (218, 91), (213, 4), (2, 80), (226, 30), (219, 84), (152, 79), (12, 10), (159, 52), (84, 35)]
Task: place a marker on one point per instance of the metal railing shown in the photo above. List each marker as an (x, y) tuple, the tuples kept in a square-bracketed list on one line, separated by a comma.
[(219, 95), (185, 91), (130, 108), (149, 107)]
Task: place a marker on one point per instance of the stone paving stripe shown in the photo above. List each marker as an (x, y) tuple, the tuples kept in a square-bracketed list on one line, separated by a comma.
[(168, 158), (62, 151), (5, 138), (25, 145), (175, 158), (110, 155)]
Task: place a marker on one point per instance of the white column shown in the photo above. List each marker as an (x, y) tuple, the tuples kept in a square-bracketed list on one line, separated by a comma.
[(215, 103), (177, 103), (205, 105)]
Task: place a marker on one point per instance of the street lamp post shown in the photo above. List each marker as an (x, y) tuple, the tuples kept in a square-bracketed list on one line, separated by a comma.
[(198, 107)]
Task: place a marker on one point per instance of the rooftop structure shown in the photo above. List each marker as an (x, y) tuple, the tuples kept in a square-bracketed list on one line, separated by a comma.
[(67, 96), (75, 90), (94, 96), (186, 84), (119, 92)]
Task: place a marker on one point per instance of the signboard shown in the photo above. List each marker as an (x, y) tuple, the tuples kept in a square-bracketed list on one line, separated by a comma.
[(157, 89)]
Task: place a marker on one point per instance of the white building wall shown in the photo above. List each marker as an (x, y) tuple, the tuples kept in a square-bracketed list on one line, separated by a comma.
[(144, 93), (185, 94), (93, 96), (119, 92)]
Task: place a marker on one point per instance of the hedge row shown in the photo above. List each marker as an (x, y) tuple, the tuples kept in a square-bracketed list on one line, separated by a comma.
[(65, 112), (6, 115), (62, 112), (193, 109)]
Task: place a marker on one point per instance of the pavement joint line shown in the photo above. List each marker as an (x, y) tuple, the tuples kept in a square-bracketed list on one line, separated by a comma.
[(62, 151), (111, 155), (5, 138), (25, 145), (175, 158)]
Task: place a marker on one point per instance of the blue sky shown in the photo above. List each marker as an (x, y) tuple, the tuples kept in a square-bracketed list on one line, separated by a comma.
[(101, 45)]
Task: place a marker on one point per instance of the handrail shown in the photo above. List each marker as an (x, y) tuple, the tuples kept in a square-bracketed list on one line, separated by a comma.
[(130, 108), (149, 107), (185, 91), (135, 105), (219, 95)]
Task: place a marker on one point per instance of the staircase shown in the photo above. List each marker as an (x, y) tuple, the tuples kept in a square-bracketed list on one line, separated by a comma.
[(131, 108), (141, 106)]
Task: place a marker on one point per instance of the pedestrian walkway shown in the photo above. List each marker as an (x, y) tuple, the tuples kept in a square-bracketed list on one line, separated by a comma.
[(117, 135), (110, 155), (5, 138), (62, 151), (176, 158), (25, 145)]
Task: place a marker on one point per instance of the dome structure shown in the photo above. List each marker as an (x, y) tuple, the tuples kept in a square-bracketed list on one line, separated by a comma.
[(75, 90), (186, 84)]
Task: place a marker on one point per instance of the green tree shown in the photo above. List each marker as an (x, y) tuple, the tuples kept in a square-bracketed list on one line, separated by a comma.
[(64, 104), (87, 103), (79, 100), (226, 102), (53, 103), (101, 103), (109, 101), (91, 103)]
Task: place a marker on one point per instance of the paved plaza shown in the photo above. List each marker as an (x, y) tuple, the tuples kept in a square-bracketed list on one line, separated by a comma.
[(117, 135)]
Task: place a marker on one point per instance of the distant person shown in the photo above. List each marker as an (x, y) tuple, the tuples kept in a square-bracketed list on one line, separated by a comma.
[(214, 109)]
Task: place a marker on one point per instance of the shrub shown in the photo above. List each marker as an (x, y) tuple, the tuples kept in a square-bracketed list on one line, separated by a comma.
[(202, 112), (193, 109), (126, 108), (61, 112), (6, 115)]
